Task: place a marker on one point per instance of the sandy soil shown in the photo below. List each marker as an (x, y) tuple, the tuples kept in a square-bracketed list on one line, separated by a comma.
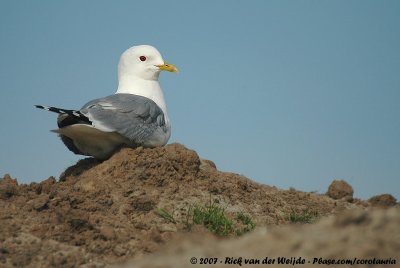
[(105, 213)]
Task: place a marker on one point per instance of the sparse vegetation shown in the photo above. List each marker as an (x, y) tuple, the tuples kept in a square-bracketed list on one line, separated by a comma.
[(246, 222), (305, 216), (165, 215), (214, 218)]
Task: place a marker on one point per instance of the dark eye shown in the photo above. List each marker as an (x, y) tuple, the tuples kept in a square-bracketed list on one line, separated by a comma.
[(142, 58)]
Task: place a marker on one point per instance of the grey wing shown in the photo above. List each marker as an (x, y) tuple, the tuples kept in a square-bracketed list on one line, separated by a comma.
[(132, 116)]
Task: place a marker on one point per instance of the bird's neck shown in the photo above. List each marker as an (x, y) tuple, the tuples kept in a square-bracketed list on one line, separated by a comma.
[(147, 88)]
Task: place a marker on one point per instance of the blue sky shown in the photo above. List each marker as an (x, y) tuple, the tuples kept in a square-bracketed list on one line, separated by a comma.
[(288, 93)]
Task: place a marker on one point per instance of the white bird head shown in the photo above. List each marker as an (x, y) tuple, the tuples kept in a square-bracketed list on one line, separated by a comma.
[(143, 62)]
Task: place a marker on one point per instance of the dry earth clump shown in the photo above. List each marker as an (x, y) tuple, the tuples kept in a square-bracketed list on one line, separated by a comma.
[(340, 189)]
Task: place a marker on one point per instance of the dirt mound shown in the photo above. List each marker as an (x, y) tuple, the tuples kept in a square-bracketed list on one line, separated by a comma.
[(108, 212), (364, 235)]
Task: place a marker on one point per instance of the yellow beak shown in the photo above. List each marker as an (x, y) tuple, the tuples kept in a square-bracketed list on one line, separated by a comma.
[(168, 67)]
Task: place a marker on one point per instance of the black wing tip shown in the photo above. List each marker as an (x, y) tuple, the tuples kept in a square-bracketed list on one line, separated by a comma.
[(47, 108), (54, 109)]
